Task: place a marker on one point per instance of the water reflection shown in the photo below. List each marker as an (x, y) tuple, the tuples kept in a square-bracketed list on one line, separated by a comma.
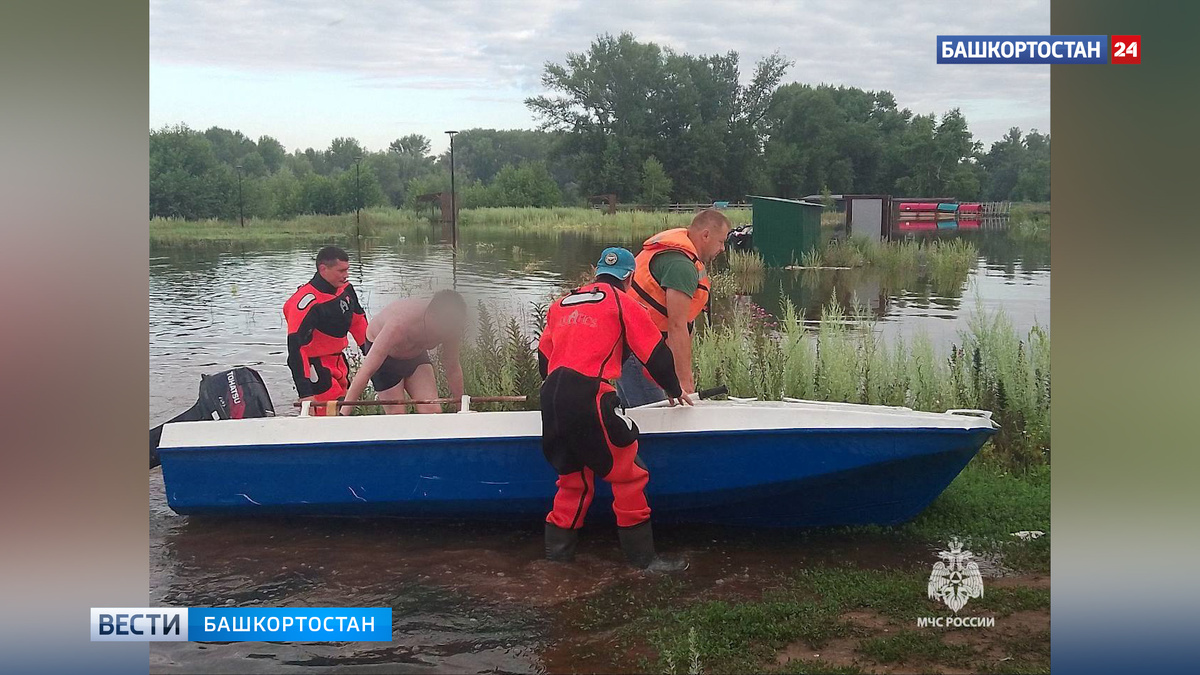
[(214, 308)]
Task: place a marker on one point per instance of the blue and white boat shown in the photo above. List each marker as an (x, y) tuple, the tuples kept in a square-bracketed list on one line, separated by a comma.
[(788, 463)]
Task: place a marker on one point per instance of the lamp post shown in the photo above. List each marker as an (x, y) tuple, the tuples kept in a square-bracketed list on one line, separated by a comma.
[(453, 196), (241, 211)]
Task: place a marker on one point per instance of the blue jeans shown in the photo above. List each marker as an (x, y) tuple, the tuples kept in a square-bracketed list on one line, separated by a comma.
[(634, 388)]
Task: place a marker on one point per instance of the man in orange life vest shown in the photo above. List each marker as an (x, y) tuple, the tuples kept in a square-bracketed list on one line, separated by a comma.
[(671, 282), (319, 315), (588, 334)]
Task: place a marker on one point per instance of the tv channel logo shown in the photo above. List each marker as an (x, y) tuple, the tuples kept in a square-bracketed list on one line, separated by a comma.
[(241, 624), (139, 624)]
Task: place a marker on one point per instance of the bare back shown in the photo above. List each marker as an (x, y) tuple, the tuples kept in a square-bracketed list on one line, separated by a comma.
[(399, 328)]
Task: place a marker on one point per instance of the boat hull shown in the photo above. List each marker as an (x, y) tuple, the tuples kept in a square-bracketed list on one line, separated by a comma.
[(793, 477)]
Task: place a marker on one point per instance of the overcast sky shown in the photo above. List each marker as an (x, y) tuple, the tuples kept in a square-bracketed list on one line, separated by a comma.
[(306, 71)]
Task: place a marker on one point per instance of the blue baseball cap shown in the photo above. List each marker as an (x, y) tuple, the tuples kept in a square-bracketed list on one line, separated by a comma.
[(615, 261)]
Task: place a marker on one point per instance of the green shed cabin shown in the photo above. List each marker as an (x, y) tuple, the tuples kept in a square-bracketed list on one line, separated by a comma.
[(785, 229)]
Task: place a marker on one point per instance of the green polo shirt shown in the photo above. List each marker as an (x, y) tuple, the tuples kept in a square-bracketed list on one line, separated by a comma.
[(672, 269)]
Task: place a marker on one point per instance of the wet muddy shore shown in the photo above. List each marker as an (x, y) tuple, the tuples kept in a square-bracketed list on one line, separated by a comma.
[(479, 598)]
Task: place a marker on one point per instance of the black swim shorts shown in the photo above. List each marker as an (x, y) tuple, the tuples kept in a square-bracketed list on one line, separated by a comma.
[(393, 370)]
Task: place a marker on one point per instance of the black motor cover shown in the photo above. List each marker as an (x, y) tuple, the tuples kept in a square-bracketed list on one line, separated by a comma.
[(740, 238), (231, 394)]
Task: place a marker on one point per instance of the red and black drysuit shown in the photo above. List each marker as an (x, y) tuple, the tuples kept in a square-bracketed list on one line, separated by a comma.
[(588, 335), (319, 316)]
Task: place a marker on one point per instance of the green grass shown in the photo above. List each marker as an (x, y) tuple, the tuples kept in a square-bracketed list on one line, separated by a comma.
[(986, 503), (1029, 224), (992, 368), (580, 219), (375, 222), (808, 608), (945, 263), (388, 222), (910, 646), (746, 263)]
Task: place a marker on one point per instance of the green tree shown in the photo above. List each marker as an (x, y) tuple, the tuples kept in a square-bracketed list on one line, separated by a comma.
[(656, 184), (272, 152), (528, 184), (413, 145), (319, 194), (827, 198), (358, 190), (341, 154), (229, 147), (186, 180), (623, 101), (254, 165)]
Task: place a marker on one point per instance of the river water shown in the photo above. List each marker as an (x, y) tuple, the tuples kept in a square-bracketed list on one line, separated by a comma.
[(464, 598)]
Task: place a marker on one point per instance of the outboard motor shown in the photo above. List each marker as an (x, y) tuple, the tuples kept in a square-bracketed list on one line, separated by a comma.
[(740, 238), (228, 395)]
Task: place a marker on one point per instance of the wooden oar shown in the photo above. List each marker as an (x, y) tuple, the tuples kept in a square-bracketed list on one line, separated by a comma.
[(332, 406)]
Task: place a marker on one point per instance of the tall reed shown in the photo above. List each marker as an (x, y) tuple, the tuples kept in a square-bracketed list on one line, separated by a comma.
[(844, 359)]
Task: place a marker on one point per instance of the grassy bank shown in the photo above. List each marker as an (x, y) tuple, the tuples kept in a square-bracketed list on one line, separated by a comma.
[(387, 222), (993, 368), (849, 599), (942, 258), (841, 359)]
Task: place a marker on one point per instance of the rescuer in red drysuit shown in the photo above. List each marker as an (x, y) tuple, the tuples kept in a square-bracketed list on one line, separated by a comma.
[(588, 335), (319, 316)]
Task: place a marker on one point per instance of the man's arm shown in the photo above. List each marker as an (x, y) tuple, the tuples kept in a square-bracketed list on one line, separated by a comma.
[(358, 321), (452, 362), (370, 365), (646, 343), (298, 336), (678, 337)]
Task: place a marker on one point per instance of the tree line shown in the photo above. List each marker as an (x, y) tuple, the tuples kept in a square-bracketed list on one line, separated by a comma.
[(645, 122)]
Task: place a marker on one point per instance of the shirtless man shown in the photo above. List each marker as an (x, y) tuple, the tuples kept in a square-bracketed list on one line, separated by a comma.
[(396, 359)]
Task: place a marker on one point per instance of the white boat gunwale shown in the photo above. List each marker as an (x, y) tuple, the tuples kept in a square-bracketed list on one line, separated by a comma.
[(709, 417)]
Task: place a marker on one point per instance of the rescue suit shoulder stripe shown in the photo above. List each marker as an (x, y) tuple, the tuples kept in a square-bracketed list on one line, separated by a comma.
[(577, 298)]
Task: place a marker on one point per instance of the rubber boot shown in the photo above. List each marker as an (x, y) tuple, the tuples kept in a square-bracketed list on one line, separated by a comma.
[(560, 543), (638, 544)]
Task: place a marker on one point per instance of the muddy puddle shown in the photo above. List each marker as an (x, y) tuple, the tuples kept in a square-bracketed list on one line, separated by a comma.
[(466, 598)]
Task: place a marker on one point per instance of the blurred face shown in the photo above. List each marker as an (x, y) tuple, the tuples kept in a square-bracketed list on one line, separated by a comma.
[(445, 324), (336, 273)]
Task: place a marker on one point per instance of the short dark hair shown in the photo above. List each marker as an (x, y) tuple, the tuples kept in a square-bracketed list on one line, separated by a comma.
[(448, 299), (709, 218), (331, 254)]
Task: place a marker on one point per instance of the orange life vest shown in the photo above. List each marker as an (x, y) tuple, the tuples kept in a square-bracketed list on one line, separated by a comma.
[(654, 297)]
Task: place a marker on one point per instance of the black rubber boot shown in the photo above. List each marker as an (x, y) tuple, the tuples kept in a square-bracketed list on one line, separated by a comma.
[(560, 543), (638, 544)]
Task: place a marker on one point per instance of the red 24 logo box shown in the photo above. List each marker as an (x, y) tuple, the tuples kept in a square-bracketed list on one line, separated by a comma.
[(1126, 49)]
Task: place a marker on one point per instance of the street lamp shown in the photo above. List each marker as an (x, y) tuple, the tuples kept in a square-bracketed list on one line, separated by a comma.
[(453, 196), (357, 195), (241, 211)]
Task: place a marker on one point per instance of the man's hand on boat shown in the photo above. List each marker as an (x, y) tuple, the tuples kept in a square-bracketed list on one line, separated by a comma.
[(685, 399)]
